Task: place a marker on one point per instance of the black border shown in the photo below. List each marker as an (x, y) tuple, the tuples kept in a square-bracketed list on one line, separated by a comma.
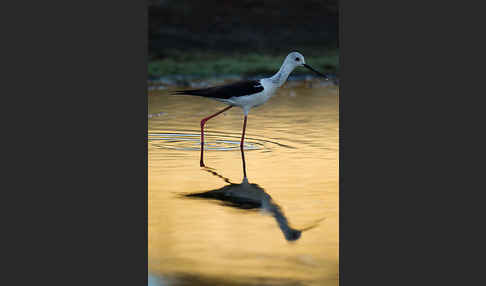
[(77, 97), (403, 162)]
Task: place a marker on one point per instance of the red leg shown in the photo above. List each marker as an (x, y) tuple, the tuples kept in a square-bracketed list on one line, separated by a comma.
[(244, 165), (243, 135), (203, 121)]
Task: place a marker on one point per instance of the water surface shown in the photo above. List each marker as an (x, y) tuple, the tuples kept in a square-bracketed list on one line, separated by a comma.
[(278, 225)]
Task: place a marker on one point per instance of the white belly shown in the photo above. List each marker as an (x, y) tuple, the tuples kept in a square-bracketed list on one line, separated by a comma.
[(248, 101)]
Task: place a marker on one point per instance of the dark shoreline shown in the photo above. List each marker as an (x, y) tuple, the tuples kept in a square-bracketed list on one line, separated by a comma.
[(194, 81)]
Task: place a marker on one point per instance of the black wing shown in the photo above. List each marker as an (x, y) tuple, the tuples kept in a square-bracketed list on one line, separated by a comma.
[(240, 88)]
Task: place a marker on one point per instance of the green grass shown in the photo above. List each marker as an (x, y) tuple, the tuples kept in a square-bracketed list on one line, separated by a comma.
[(211, 64)]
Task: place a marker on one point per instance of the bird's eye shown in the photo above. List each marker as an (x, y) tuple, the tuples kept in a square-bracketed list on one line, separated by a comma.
[(297, 59)]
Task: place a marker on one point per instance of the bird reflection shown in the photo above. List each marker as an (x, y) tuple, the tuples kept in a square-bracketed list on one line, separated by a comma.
[(249, 196)]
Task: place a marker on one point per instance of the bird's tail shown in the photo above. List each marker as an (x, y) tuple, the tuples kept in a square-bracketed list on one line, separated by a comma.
[(179, 92), (196, 92)]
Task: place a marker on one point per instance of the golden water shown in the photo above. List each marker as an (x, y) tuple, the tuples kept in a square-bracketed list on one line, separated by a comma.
[(291, 154)]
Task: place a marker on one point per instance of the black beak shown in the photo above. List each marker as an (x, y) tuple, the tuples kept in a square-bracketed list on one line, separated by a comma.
[(321, 74)]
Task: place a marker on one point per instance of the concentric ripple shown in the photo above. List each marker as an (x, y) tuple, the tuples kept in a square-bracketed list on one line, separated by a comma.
[(190, 141)]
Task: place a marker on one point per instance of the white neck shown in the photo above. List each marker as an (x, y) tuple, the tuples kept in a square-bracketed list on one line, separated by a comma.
[(281, 76)]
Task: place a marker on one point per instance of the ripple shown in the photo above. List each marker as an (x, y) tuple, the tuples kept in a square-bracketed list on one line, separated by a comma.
[(190, 141)]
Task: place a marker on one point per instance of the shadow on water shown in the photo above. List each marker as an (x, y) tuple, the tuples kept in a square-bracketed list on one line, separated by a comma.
[(249, 196), (191, 279)]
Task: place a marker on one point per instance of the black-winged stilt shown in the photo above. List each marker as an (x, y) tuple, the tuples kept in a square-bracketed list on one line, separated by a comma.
[(249, 93)]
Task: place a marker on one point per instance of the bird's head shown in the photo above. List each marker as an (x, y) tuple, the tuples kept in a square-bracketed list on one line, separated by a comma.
[(296, 59)]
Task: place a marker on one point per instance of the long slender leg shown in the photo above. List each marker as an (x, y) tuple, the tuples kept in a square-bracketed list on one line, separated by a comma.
[(243, 134), (244, 165), (203, 121)]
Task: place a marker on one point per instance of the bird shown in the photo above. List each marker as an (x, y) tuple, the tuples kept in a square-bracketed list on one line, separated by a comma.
[(247, 94)]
